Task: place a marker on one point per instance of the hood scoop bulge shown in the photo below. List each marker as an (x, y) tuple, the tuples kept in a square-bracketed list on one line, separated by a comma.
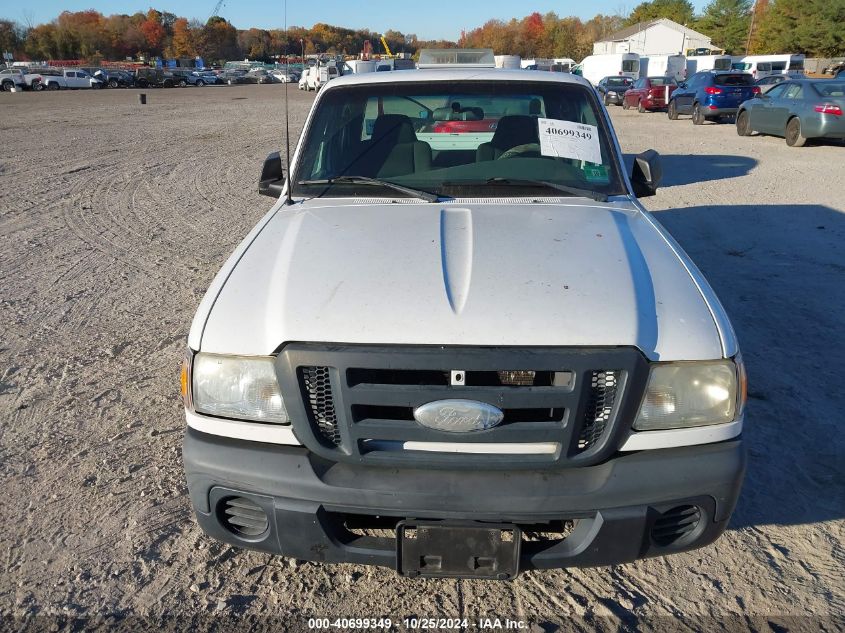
[(456, 243)]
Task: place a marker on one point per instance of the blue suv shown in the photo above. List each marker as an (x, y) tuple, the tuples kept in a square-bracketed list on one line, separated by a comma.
[(708, 95)]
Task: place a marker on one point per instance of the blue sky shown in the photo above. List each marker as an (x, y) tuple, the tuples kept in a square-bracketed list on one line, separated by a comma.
[(439, 18)]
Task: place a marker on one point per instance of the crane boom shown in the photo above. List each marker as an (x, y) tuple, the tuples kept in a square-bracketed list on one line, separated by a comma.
[(217, 8), (386, 47)]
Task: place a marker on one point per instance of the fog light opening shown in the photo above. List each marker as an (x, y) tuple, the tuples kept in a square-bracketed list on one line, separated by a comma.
[(242, 517), (675, 526)]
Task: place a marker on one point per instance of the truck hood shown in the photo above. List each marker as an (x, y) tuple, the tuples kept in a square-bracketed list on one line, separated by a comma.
[(558, 273)]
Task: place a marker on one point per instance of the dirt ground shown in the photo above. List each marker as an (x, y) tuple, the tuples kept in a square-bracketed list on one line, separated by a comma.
[(114, 217)]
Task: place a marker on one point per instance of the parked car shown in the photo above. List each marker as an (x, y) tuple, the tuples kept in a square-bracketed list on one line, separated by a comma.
[(69, 78), (111, 77), (235, 76), (798, 110), (495, 366), (280, 76), (259, 76), (613, 88), (710, 95), (649, 93), (154, 78), (206, 78), (767, 83), (302, 84)]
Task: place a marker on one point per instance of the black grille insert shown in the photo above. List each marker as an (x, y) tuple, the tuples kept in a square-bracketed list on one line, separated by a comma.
[(599, 410), (317, 384), (673, 525)]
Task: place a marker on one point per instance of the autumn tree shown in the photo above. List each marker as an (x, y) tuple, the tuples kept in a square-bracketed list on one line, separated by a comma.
[(727, 23), (153, 31), (681, 11), (182, 44)]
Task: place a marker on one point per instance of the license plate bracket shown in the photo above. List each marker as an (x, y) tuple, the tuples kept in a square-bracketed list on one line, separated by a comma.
[(448, 550)]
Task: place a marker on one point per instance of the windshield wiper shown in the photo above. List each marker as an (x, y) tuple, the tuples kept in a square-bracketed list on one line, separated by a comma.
[(573, 191), (375, 182)]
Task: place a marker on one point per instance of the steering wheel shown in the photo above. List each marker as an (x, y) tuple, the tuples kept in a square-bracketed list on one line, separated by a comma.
[(521, 150)]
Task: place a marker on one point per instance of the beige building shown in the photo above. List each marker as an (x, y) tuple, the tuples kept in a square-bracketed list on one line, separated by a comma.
[(658, 37)]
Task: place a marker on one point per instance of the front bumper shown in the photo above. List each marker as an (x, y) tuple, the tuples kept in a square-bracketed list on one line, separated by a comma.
[(614, 505)]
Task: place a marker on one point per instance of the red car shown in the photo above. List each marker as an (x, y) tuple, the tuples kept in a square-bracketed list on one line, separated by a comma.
[(649, 93)]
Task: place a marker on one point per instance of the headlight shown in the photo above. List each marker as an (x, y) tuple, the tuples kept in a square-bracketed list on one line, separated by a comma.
[(683, 395), (237, 387)]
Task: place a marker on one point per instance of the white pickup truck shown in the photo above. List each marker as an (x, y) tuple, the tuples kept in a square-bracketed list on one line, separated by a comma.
[(70, 79), (457, 345)]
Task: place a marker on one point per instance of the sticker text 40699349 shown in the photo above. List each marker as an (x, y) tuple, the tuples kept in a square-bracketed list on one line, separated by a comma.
[(566, 139)]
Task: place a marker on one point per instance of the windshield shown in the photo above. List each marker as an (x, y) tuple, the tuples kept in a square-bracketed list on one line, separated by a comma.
[(619, 82), (630, 65), (662, 81), (458, 139)]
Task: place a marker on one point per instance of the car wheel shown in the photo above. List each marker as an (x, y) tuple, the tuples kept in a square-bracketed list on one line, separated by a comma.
[(182, 83), (52, 86), (37, 86), (113, 83), (606, 101), (793, 134), (743, 123), (200, 83), (142, 83), (625, 105), (167, 83), (640, 107), (672, 111), (7, 86), (697, 115)]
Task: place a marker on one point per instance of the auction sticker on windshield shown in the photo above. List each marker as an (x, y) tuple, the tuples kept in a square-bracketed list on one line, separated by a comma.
[(565, 139)]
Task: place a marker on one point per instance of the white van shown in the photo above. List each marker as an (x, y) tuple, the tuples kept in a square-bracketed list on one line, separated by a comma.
[(674, 66), (596, 67), (764, 65), (699, 63), (319, 75)]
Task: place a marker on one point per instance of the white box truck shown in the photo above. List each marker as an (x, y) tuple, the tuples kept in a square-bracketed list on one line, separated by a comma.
[(596, 67)]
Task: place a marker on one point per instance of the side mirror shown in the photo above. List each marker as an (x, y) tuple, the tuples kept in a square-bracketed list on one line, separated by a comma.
[(272, 179), (646, 174)]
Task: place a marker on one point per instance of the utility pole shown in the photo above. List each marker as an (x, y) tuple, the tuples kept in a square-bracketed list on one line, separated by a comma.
[(751, 27)]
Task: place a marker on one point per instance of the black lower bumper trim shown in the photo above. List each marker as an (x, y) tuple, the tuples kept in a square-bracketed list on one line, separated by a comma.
[(612, 507)]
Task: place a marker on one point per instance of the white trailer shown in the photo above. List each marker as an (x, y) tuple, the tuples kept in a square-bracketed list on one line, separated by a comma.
[(358, 66), (699, 63), (508, 61), (596, 67), (674, 66), (764, 65)]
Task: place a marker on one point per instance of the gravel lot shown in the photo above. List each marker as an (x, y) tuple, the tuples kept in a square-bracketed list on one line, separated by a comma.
[(114, 217)]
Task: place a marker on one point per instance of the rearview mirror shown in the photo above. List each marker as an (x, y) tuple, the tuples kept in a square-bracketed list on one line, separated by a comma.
[(272, 179), (646, 175)]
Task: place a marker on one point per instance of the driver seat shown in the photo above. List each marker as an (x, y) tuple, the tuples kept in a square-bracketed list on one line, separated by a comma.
[(512, 130)]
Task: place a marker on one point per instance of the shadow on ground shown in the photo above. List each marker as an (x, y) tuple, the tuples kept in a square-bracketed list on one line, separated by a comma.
[(686, 169), (780, 272)]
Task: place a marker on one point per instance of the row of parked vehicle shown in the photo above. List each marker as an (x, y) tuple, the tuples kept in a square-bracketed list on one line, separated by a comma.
[(93, 77), (796, 108)]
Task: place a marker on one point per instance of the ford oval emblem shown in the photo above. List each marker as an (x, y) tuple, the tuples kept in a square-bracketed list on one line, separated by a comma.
[(458, 416)]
